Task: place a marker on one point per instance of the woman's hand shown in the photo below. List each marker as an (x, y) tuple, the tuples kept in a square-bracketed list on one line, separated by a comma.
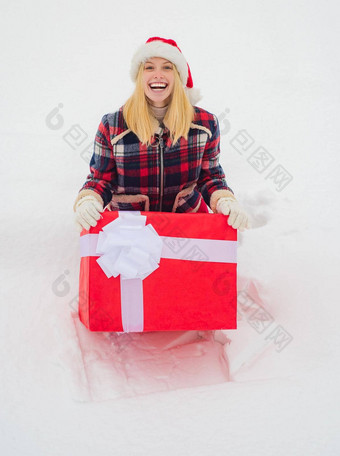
[(87, 212), (238, 218)]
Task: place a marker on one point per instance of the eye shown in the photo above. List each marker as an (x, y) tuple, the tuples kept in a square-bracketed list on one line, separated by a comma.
[(167, 67)]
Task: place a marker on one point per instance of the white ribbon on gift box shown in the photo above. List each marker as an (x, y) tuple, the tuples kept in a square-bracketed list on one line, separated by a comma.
[(130, 248)]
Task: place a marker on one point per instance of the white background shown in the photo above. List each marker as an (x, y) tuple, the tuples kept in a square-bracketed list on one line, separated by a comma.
[(273, 68)]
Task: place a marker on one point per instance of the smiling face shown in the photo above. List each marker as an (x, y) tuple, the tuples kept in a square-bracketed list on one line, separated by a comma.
[(158, 80)]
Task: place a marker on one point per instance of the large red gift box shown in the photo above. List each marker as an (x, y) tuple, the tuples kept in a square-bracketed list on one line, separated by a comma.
[(192, 284)]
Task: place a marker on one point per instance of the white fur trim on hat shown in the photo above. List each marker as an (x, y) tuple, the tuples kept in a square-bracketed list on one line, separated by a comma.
[(159, 49)]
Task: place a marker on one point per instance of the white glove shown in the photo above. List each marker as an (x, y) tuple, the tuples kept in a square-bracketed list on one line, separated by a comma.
[(87, 212), (238, 219)]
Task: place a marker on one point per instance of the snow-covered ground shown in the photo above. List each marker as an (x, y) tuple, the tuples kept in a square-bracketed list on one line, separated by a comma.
[(270, 71)]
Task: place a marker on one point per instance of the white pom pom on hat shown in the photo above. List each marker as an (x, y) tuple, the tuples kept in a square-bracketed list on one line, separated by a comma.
[(168, 49)]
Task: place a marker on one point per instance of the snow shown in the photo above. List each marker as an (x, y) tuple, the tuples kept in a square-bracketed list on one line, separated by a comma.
[(274, 68)]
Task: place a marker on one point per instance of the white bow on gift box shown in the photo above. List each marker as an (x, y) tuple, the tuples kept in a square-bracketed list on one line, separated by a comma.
[(129, 247)]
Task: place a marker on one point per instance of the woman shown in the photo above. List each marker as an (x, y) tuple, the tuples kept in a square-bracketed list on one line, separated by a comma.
[(158, 152)]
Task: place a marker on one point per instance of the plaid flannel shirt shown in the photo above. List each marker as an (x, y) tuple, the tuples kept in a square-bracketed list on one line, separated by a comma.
[(128, 175)]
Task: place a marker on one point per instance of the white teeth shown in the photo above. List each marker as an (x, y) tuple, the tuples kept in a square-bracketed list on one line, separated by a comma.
[(158, 85)]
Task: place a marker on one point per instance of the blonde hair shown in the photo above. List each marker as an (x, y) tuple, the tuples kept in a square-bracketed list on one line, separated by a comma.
[(140, 119)]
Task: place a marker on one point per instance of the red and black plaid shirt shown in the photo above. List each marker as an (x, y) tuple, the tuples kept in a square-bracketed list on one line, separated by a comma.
[(121, 164)]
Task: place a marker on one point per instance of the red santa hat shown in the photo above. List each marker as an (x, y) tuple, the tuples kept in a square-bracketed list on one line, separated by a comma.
[(168, 49)]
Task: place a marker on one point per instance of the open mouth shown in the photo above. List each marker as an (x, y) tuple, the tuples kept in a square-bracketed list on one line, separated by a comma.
[(158, 86)]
